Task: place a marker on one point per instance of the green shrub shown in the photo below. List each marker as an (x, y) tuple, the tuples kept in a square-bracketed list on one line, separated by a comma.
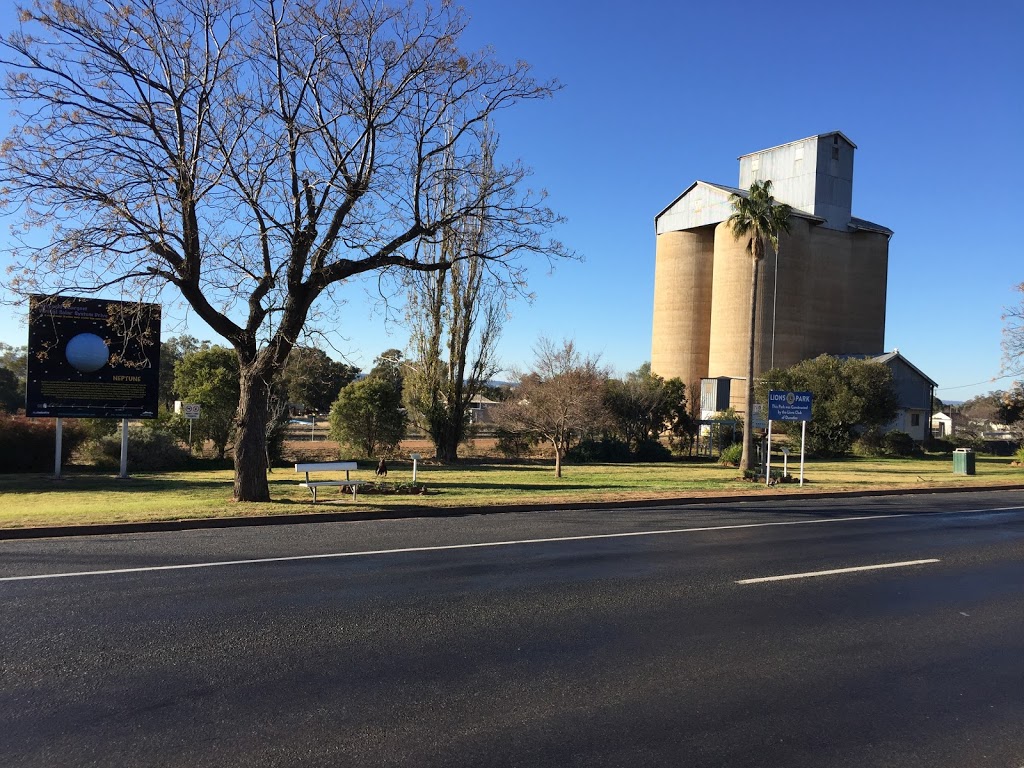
[(870, 443), (874, 442), (513, 445), (148, 449), (731, 456), (967, 440), (899, 444), (652, 450), (938, 445), (27, 445), (608, 449)]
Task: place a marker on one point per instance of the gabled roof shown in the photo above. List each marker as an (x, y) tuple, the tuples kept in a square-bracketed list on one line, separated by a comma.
[(689, 189), (725, 193), (890, 356)]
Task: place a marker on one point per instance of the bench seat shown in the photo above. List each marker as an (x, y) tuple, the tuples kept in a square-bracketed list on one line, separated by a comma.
[(330, 466)]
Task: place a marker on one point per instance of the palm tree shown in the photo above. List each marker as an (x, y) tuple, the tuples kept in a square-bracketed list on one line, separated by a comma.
[(756, 218)]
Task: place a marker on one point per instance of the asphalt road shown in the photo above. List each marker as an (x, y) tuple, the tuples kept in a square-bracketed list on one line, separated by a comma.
[(604, 638)]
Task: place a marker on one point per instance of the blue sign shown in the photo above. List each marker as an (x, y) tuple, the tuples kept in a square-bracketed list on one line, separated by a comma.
[(789, 406)]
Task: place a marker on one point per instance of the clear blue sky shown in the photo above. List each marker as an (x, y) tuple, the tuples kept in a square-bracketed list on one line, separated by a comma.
[(660, 94)]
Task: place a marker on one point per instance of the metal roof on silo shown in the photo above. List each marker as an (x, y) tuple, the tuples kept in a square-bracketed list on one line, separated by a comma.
[(800, 141)]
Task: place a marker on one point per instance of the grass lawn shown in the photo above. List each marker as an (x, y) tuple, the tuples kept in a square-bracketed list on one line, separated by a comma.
[(84, 498)]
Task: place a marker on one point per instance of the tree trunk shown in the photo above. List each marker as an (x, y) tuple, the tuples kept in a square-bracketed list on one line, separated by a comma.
[(558, 460), (446, 447), (446, 436), (748, 413), (251, 439)]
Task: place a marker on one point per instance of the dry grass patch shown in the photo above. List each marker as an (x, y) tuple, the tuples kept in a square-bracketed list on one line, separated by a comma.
[(84, 498)]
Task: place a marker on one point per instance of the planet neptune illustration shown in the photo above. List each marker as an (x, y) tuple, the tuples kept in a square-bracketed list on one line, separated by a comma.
[(87, 352)]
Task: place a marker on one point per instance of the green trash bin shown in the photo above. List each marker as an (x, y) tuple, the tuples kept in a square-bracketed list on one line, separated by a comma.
[(963, 461)]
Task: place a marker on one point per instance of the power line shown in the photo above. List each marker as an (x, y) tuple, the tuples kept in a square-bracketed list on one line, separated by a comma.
[(978, 383)]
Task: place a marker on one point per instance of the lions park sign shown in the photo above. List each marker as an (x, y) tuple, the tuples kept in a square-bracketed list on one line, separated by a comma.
[(788, 406)]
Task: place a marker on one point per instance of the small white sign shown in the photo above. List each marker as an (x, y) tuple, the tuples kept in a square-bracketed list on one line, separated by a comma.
[(191, 410), (759, 421)]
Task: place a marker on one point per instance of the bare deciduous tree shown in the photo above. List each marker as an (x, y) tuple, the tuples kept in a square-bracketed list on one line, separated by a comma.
[(456, 316), (1013, 335), (559, 401), (250, 157)]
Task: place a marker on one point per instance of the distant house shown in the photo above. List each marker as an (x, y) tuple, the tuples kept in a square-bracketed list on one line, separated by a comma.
[(996, 431), (914, 392), (945, 424), (942, 425), (480, 410)]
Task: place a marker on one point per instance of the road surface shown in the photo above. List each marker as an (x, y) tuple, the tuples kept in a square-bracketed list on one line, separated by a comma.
[(640, 637)]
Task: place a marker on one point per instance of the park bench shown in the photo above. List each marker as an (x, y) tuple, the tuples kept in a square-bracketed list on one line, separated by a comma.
[(330, 466)]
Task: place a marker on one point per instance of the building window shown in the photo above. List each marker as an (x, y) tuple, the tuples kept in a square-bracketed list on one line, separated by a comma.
[(915, 419), (835, 153)]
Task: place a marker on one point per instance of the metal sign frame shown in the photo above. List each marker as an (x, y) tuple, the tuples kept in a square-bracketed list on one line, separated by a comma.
[(93, 358), (786, 405)]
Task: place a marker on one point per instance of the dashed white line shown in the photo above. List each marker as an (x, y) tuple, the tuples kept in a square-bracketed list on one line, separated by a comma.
[(834, 571), (480, 545), (442, 548)]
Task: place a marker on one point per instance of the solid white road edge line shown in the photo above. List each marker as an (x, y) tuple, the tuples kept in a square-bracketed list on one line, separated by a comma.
[(832, 572)]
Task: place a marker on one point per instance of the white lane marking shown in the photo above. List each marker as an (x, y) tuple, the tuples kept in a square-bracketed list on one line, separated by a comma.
[(443, 548), (833, 571), (975, 511), (367, 553)]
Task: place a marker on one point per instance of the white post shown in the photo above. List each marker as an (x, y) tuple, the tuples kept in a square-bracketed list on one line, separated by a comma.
[(60, 446), (415, 457), (803, 434), (124, 449), (768, 457), (190, 435), (785, 461), (312, 429)]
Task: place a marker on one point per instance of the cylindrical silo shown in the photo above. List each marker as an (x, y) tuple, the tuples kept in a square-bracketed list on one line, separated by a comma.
[(831, 293), (730, 311), (683, 274)]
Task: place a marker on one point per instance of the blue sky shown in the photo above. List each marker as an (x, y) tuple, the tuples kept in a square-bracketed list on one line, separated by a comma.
[(660, 94)]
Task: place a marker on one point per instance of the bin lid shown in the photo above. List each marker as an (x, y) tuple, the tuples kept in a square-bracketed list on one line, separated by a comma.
[(964, 450)]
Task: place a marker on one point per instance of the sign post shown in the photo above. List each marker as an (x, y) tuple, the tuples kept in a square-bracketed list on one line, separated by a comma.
[(788, 406), (191, 412), (123, 475), (60, 447)]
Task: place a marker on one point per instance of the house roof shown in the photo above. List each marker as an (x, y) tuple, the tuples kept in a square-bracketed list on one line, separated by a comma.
[(890, 356)]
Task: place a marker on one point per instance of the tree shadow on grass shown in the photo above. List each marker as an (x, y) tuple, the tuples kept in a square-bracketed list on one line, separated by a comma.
[(106, 483), (524, 487)]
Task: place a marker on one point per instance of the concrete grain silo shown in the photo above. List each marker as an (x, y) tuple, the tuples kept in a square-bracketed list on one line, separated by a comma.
[(823, 293), (682, 302)]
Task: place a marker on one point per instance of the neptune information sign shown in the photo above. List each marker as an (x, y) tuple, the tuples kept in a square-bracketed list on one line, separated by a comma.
[(789, 406), (92, 358)]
